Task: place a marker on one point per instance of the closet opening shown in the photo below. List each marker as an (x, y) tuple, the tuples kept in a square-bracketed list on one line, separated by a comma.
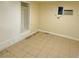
[(24, 16)]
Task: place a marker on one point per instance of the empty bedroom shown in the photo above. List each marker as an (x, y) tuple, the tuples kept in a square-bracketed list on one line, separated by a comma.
[(39, 29)]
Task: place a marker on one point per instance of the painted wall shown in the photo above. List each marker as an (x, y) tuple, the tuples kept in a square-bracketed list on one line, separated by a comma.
[(9, 20), (34, 16), (67, 25)]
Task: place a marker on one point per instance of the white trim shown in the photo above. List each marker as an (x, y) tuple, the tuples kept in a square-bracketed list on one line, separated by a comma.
[(9, 42), (65, 36), (30, 16)]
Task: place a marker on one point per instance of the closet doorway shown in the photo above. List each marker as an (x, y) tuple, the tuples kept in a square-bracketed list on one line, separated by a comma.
[(24, 16)]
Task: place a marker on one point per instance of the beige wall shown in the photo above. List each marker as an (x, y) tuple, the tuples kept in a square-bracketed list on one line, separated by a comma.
[(10, 20), (67, 24), (10, 23), (34, 16)]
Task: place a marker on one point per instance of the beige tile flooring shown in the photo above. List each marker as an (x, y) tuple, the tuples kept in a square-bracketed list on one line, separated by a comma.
[(43, 45)]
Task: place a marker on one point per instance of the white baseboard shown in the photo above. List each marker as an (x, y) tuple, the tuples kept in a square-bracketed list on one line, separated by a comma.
[(65, 36), (9, 42)]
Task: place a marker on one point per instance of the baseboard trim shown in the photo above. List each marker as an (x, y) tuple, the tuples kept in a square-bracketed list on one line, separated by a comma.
[(65, 36), (9, 42)]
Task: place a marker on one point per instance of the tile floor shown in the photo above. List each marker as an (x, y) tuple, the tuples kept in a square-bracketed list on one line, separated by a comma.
[(43, 45)]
